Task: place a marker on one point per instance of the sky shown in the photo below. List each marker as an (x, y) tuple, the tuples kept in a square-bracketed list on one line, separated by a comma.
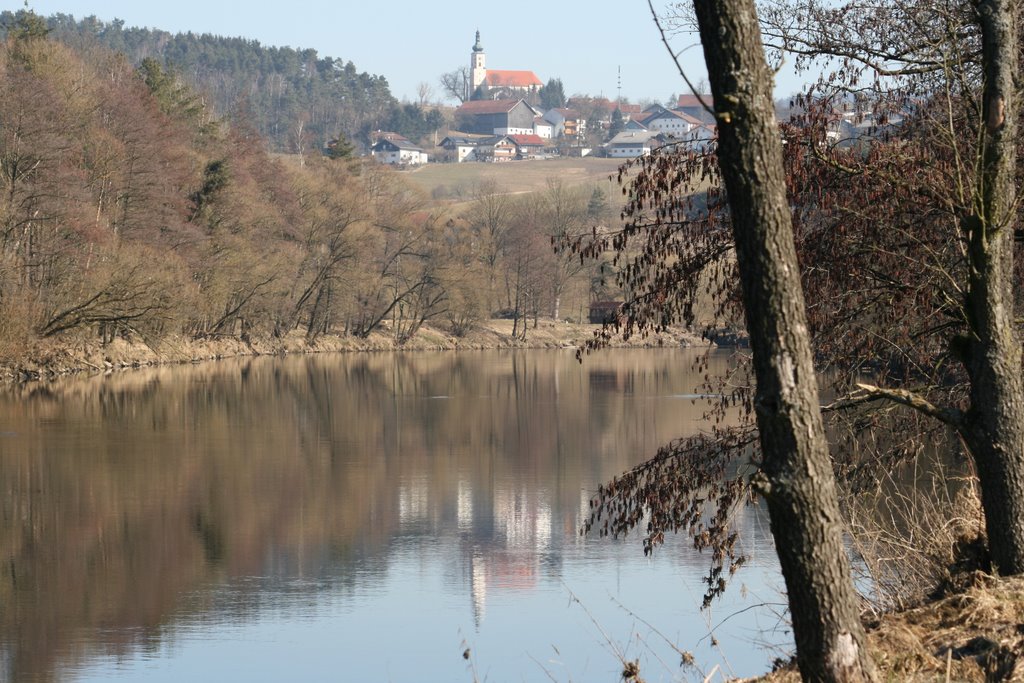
[(410, 42)]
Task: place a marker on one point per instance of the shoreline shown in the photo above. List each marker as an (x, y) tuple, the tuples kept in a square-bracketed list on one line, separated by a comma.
[(86, 356)]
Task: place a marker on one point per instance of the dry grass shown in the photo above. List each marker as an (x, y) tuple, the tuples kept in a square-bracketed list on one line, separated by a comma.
[(920, 536), (973, 636), (969, 633), (913, 534), (455, 182)]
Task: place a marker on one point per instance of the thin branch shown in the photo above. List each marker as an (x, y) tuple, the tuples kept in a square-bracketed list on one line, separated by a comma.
[(675, 60), (950, 416)]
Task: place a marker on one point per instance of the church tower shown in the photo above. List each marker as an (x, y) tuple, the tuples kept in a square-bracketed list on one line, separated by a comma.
[(477, 67)]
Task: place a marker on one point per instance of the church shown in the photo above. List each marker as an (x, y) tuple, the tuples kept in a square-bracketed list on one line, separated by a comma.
[(494, 84)]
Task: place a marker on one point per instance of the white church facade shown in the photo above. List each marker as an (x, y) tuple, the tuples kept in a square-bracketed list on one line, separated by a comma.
[(495, 84)]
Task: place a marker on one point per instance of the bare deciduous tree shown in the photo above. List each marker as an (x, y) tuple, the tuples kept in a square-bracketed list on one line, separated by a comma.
[(455, 84)]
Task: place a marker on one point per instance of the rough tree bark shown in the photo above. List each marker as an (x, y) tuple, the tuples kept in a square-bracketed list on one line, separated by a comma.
[(796, 478), (993, 427)]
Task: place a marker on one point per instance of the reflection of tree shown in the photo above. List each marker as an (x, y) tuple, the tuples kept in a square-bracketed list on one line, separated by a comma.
[(129, 491)]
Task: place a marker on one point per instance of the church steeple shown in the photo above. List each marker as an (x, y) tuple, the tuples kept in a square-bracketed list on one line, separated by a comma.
[(477, 67)]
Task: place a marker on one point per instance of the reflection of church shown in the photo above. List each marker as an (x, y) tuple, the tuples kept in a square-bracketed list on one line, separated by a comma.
[(512, 561), (495, 84)]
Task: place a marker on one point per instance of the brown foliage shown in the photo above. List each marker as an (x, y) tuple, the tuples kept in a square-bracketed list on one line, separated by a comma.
[(121, 202), (885, 253)]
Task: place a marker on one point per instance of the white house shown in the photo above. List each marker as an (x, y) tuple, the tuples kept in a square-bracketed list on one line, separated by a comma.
[(398, 152), (565, 122), (630, 144), (498, 148), (462, 146), (701, 136), (674, 124), (543, 129)]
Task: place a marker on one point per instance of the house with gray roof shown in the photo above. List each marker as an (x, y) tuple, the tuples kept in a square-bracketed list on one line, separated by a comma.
[(398, 152)]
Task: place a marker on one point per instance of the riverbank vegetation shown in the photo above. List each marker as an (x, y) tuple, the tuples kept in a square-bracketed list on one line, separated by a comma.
[(907, 225), (130, 212)]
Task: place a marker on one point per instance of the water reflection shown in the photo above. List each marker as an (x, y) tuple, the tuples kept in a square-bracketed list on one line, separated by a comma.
[(353, 515)]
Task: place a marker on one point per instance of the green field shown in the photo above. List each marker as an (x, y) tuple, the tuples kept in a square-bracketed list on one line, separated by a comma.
[(456, 181)]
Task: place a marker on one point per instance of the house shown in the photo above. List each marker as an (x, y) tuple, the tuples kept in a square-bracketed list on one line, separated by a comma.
[(630, 144), (701, 136), (599, 109), (378, 135), (461, 147), (674, 124), (692, 105), (496, 117), (542, 128), (630, 110), (565, 122), (396, 152), (604, 311), (527, 146), (497, 148), (864, 127)]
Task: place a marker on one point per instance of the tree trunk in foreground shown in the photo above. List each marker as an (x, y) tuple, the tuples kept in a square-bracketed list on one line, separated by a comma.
[(993, 427), (797, 477)]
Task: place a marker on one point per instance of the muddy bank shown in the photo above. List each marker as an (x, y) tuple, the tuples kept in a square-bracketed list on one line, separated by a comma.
[(85, 354)]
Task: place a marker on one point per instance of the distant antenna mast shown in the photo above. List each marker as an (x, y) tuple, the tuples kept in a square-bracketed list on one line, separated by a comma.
[(620, 84)]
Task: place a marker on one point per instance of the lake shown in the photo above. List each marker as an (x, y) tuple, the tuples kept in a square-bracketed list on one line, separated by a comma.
[(363, 517)]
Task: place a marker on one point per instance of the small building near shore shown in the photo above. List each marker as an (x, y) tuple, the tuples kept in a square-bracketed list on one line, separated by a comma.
[(603, 311)]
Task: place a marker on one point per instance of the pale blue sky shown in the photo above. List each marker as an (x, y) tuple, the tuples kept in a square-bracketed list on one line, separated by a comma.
[(413, 41)]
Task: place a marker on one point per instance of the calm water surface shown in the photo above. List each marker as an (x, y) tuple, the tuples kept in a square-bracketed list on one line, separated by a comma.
[(359, 517)]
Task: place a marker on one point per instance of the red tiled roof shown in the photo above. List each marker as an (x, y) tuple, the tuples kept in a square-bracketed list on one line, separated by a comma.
[(692, 101), (487, 107), (528, 140), (512, 79), (630, 108)]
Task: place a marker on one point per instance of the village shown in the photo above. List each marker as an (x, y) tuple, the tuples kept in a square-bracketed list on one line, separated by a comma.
[(500, 120)]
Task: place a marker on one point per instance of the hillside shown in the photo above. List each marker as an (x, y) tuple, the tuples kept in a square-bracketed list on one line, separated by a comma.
[(296, 99), (132, 212)]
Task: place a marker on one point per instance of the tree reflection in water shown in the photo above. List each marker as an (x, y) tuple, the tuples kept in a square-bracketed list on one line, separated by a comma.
[(140, 503)]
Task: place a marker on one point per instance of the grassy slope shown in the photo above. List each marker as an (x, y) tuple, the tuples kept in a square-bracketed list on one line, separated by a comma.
[(456, 181)]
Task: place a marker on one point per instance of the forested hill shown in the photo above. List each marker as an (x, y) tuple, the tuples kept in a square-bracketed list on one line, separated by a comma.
[(296, 99), (129, 213)]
